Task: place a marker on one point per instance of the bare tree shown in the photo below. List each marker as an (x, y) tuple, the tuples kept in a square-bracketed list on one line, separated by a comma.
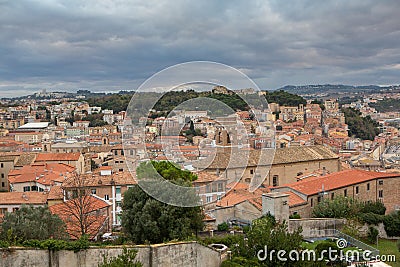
[(84, 213)]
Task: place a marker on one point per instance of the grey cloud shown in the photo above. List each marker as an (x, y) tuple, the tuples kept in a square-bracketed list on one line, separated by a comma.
[(116, 44)]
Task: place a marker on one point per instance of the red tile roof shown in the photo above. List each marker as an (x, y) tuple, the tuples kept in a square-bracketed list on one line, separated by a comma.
[(314, 185), (236, 196), (294, 199), (19, 198), (55, 193), (43, 173), (58, 157)]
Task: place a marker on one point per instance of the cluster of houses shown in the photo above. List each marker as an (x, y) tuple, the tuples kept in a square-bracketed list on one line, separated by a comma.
[(293, 156)]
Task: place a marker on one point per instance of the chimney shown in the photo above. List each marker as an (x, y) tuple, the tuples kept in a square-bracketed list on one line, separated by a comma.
[(276, 204)]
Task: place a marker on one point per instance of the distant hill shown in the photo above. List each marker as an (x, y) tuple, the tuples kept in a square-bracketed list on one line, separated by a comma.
[(333, 88)]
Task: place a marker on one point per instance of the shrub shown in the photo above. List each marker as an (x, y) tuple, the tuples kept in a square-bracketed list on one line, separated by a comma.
[(371, 218), (392, 224), (294, 216), (240, 261), (398, 244), (324, 246), (4, 244), (223, 226), (376, 207), (229, 263), (126, 259), (246, 229), (56, 244), (339, 207), (372, 234)]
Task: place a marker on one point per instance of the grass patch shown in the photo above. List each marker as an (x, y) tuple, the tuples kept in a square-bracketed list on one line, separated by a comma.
[(388, 247)]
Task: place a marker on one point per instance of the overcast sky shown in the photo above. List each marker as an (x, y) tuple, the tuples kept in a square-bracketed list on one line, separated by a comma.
[(113, 45)]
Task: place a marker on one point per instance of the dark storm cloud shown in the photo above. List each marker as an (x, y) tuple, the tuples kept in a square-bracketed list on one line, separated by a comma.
[(106, 45)]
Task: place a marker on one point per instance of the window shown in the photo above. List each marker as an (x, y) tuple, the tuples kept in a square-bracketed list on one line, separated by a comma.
[(131, 152), (368, 187), (41, 189), (380, 182), (94, 191), (312, 202), (220, 187), (34, 188), (319, 199), (219, 197), (118, 190), (214, 188), (275, 180), (209, 199), (2, 165), (115, 152), (332, 195), (106, 197), (357, 190), (3, 210), (27, 188), (208, 188), (121, 170), (380, 193), (3, 184), (345, 192), (2, 175), (251, 171)]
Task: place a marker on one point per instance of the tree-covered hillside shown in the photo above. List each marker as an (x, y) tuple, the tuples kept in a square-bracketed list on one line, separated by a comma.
[(170, 100), (361, 127), (386, 105)]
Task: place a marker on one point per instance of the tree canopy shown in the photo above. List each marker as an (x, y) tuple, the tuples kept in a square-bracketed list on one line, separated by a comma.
[(361, 127), (32, 223), (145, 219), (266, 233), (284, 98)]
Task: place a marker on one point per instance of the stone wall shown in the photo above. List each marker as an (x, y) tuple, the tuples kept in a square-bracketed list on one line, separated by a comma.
[(171, 254), (315, 227)]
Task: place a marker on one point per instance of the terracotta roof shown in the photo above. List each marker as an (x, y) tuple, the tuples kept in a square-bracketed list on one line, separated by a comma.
[(58, 157), (208, 218), (96, 179), (161, 157), (294, 199), (18, 198), (9, 156), (25, 159), (312, 186), (55, 193), (98, 149), (237, 158), (43, 173), (207, 177), (236, 196), (101, 168)]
